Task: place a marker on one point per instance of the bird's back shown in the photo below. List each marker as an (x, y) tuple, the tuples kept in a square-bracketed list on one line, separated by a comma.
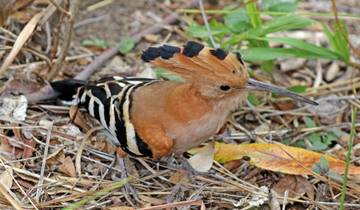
[(109, 100)]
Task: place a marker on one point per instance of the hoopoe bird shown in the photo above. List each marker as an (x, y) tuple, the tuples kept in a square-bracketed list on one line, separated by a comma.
[(157, 118)]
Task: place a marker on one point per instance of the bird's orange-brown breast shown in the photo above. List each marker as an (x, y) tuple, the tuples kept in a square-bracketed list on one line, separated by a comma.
[(162, 112)]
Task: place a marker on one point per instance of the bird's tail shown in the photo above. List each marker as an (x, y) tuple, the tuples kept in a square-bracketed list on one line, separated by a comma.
[(67, 88)]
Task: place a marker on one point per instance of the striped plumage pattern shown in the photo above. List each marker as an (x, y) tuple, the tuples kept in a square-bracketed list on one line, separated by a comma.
[(110, 101)]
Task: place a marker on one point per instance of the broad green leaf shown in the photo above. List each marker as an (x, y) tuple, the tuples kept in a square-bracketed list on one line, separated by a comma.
[(126, 45), (279, 5), (329, 137), (218, 30), (95, 43), (252, 99), (309, 122), (318, 145), (277, 24), (311, 48), (196, 30), (237, 21), (264, 54), (298, 88)]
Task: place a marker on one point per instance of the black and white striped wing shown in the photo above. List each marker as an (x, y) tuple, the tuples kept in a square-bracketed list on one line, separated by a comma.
[(110, 101)]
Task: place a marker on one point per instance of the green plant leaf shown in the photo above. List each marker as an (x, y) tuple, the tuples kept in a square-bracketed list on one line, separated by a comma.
[(309, 122), (218, 30), (317, 145), (253, 100), (95, 43), (253, 13), (92, 195), (338, 40), (257, 54), (237, 21), (311, 48), (126, 45), (279, 5), (283, 23), (298, 88), (195, 30), (324, 164)]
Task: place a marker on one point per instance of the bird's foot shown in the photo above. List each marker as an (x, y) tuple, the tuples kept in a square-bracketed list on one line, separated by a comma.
[(182, 163)]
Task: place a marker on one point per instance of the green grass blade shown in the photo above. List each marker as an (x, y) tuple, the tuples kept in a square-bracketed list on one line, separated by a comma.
[(348, 158), (338, 42), (259, 54), (311, 48), (256, 22), (253, 13), (97, 194)]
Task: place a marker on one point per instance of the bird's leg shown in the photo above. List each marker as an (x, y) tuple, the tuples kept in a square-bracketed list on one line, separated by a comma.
[(179, 162), (128, 189), (223, 132)]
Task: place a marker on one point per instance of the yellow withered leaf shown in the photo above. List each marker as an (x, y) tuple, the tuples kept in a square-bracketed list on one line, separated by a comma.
[(279, 158)]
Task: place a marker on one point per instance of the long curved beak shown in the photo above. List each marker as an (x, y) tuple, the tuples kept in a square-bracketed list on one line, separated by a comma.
[(261, 86)]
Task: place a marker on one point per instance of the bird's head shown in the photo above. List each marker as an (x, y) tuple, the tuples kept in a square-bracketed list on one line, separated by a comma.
[(214, 72)]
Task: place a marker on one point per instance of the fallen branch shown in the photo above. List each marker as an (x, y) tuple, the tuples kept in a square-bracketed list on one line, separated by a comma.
[(47, 92)]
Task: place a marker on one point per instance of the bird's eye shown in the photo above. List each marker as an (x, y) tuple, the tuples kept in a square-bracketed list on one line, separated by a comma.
[(225, 87)]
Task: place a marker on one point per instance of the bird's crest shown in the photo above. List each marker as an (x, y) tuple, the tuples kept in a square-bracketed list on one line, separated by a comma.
[(195, 62)]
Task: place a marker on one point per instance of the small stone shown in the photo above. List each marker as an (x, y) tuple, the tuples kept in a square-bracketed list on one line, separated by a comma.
[(332, 72)]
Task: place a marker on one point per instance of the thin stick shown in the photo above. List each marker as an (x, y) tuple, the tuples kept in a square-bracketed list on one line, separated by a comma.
[(8, 197), (176, 204), (74, 7), (58, 7), (46, 151), (202, 10)]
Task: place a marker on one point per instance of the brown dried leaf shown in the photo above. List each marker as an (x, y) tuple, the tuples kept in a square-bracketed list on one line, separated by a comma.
[(68, 167), (5, 147), (6, 178), (296, 187), (78, 118), (56, 158), (232, 165), (280, 158), (19, 84), (29, 149)]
